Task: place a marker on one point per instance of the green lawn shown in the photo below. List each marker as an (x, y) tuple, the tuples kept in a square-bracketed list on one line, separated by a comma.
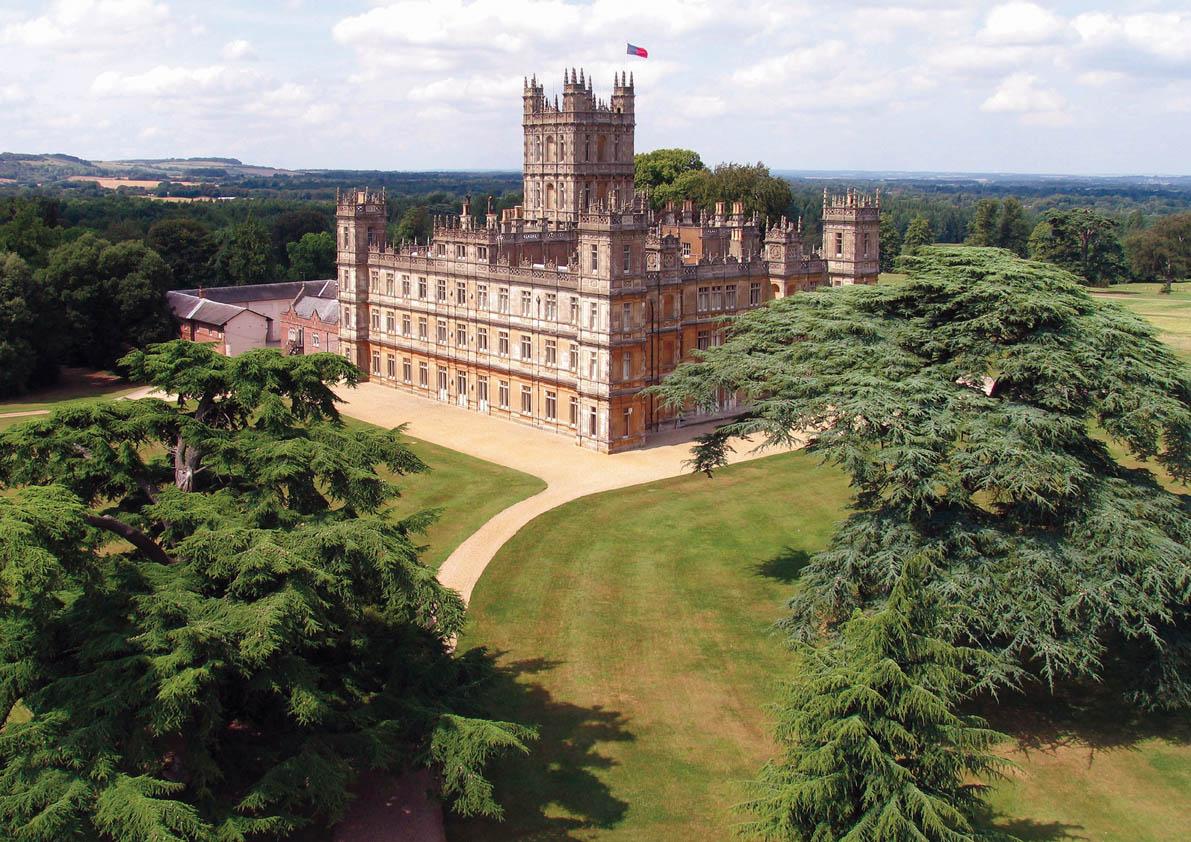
[(73, 385), (635, 628), (1171, 314)]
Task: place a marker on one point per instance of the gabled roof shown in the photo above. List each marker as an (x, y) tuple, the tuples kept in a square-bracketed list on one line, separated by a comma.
[(287, 290), (192, 308)]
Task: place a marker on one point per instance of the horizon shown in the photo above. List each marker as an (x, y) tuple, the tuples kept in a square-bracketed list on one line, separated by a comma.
[(924, 86)]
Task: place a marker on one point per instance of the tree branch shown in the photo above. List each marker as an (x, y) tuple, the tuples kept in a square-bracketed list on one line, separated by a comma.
[(132, 535)]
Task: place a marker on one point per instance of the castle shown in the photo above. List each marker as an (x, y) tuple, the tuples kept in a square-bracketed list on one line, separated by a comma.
[(561, 311)]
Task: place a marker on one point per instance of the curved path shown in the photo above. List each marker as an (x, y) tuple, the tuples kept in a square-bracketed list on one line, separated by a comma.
[(569, 471)]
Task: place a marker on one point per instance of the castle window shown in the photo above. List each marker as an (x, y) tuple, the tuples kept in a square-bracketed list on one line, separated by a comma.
[(440, 290), (703, 341), (405, 331), (482, 338), (422, 329), (389, 288), (866, 237), (390, 322), (574, 310), (482, 390), (374, 276), (839, 245), (754, 294), (717, 298), (460, 292), (482, 296), (526, 347), (481, 252), (460, 251), (551, 406), (551, 306), (626, 316), (441, 332), (550, 196), (391, 365), (526, 303), (371, 238), (526, 400), (573, 417), (375, 319), (422, 288), (502, 394), (405, 285), (626, 365), (550, 154), (503, 300), (424, 375), (593, 316), (538, 147), (406, 369), (376, 363), (551, 352), (628, 259), (537, 195), (461, 386), (704, 300), (502, 346), (442, 382), (686, 249), (345, 238), (730, 297), (591, 421), (627, 415), (573, 358), (595, 257), (441, 249), (461, 335), (586, 155)]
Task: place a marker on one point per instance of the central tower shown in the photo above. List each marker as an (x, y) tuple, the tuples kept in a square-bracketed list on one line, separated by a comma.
[(578, 153)]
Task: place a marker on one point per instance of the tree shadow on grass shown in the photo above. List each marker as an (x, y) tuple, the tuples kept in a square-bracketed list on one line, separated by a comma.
[(785, 567), (553, 792), (1087, 715), (1029, 830)]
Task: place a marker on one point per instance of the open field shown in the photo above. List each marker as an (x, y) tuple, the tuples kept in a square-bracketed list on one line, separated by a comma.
[(1171, 314), (635, 628), (111, 183)]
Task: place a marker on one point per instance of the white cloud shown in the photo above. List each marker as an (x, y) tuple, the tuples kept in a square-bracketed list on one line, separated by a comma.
[(167, 81), (89, 24), (237, 50), (1021, 94), (1022, 23), (1165, 37)]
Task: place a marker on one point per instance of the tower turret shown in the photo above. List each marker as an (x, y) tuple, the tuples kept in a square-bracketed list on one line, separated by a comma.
[(852, 237)]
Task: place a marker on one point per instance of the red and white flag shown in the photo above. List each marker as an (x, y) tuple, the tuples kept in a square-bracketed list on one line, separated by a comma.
[(640, 52)]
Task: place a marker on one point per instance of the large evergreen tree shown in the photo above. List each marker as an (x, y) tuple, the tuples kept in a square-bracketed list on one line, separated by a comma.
[(208, 618), (1013, 231), (872, 745), (891, 242), (982, 230), (964, 405), (918, 234)]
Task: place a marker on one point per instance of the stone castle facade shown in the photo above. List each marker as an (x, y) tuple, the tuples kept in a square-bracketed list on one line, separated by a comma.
[(558, 313)]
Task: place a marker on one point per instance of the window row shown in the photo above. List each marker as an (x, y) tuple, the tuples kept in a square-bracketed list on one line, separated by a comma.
[(711, 298)]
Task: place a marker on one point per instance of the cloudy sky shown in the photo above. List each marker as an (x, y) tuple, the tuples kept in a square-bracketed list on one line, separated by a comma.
[(1096, 87)]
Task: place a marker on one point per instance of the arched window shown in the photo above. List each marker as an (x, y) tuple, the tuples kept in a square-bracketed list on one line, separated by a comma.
[(550, 154), (550, 197)]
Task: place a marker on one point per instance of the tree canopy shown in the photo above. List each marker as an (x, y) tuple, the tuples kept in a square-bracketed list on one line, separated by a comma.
[(964, 404), (1162, 251), (663, 166), (918, 234), (211, 618), (312, 257), (1083, 242), (672, 175), (187, 246)]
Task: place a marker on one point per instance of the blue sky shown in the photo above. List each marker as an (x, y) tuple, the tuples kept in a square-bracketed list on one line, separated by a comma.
[(1096, 87)]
